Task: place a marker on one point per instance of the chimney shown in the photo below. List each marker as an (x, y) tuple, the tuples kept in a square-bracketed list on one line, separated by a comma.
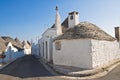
[(73, 19), (58, 23), (117, 33)]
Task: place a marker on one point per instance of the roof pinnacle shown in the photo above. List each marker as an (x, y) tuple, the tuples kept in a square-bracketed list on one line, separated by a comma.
[(56, 8)]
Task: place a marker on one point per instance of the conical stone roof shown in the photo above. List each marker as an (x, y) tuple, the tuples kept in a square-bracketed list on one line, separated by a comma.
[(2, 45), (14, 42), (86, 30)]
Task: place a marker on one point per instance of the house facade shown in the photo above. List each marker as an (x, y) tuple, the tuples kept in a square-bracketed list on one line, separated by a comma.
[(85, 53), (13, 48), (79, 44), (46, 44)]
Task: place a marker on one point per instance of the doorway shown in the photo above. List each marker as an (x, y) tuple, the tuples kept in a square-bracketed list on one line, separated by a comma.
[(46, 50)]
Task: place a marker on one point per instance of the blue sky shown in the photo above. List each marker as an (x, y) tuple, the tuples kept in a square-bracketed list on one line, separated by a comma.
[(27, 19)]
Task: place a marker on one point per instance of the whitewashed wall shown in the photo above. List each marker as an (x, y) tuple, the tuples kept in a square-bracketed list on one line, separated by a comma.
[(27, 51), (40, 48), (47, 49), (35, 50), (27, 48), (47, 36), (10, 55), (73, 53), (104, 52)]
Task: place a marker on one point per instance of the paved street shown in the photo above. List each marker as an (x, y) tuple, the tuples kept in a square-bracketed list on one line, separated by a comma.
[(113, 75), (29, 68)]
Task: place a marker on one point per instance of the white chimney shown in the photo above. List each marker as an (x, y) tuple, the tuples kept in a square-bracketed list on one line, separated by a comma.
[(58, 23), (73, 19)]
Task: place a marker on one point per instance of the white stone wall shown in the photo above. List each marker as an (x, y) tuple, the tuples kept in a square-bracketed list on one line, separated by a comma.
[(86, 53), (47, 36), (27, 48), (104, 52), (75, 52), (35, 50), (40, 47), (11, 55), (48, 49), (27, 51)]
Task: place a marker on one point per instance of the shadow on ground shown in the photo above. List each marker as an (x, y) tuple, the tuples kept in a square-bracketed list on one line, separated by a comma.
[(26, 67)]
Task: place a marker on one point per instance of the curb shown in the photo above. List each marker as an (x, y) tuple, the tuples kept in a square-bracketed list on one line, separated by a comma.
[(86, 74), (48, 68)]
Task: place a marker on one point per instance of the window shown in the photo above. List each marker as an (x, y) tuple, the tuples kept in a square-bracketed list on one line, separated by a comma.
[(71, 17), (58, 45)]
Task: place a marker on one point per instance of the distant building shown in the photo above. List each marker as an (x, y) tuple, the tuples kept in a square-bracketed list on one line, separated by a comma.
[(6, 42), (11, 48), (27, 47), (79, 44), (12, 52)]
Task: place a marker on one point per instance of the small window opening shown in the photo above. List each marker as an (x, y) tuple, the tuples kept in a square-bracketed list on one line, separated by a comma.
[(58, 45), (71, 17)]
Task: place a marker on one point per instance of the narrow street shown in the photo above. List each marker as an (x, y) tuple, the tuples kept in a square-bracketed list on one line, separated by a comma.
[(29, 68)]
